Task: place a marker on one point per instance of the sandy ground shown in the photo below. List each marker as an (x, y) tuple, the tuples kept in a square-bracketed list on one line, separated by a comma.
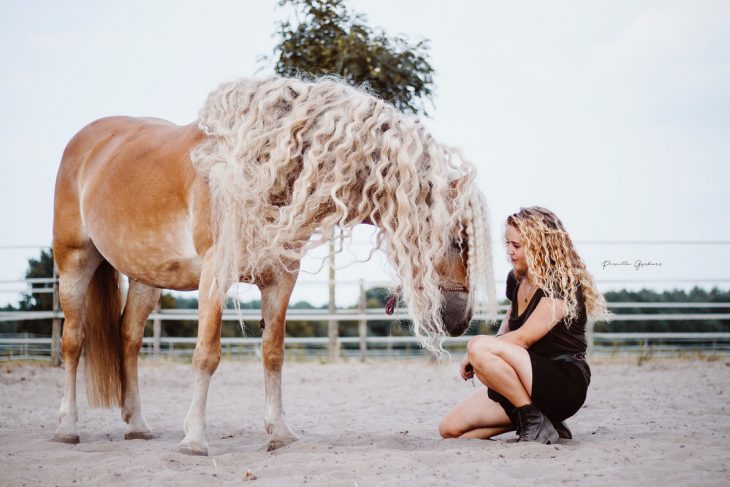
[(661, 423)]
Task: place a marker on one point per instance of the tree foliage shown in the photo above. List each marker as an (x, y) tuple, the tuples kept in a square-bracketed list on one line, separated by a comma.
[(695, 295), (41, 267), (329, 39)]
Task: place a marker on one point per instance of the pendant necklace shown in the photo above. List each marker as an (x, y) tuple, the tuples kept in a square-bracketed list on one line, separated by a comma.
[(529, 289)]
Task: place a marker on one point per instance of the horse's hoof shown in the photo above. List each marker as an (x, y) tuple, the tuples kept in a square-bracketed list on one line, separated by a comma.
[(140, 435), (276, 443), (195, 450), (62, 438)]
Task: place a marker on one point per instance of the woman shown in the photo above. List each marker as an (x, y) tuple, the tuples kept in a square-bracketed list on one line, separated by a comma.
[(535, 368)]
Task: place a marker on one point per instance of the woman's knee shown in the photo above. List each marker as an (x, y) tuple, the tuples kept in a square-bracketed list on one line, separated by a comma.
[(489, 345), (481, 348), (448, 428)]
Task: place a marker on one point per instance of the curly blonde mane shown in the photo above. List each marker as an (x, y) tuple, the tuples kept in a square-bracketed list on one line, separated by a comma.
[(554, 265), (288, 159)]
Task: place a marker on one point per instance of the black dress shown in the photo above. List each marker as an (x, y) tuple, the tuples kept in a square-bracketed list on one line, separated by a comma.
[(559, 387)]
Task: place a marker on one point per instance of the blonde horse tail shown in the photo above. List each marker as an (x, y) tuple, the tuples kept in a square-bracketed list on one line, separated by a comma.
[(103, 344)]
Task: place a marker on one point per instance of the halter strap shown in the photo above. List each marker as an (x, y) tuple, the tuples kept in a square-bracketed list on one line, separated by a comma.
[(390, 305)]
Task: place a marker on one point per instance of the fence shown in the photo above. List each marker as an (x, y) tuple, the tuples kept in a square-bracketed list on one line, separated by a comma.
[(362, 346), (643, 344)]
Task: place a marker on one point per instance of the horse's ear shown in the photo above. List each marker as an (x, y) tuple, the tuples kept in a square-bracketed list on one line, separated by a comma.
[(455, 185)]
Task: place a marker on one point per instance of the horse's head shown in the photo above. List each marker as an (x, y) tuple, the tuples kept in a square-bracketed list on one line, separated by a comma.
[(453, 276), (451, 283), (456, 312)]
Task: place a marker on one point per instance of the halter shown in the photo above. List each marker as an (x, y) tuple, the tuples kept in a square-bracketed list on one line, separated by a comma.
[(393, 300)]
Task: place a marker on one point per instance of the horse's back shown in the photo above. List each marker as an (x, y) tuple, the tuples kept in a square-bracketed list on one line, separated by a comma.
[(127, 186), (85, 150)]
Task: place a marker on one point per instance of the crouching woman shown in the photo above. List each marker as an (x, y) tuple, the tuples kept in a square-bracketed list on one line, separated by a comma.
[(535, 368)]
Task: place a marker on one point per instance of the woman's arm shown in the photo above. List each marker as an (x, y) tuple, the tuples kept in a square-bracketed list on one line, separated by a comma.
[(540, 322), (504, 327)]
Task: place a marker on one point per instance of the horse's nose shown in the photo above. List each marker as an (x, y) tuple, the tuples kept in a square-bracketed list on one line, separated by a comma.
[(454, 314)]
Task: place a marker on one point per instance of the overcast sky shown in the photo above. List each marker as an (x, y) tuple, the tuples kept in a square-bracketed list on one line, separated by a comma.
[(615, 115)]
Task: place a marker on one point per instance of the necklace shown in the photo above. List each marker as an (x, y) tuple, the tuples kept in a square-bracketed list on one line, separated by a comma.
[(529, 289)]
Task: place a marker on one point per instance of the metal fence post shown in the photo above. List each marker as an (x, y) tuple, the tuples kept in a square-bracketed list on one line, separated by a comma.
[(590, 327), (56, 323), (333, 331), (363, 325), (156, 331)]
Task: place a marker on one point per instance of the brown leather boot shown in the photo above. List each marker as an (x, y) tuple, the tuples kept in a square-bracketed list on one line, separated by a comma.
[(535, 426), (562, 429), (564, 432)]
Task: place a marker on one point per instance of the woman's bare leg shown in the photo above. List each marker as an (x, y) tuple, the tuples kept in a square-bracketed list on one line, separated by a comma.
[(477, 416), (503, 367), (486, 433)]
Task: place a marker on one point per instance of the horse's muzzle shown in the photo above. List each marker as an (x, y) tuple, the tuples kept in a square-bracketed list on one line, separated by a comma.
[(454, 314)]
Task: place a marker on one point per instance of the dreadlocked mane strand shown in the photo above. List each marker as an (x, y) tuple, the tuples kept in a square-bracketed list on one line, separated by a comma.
[(287, 160)]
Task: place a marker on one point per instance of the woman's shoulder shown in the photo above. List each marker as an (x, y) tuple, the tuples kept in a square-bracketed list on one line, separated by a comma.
[(511, 284)]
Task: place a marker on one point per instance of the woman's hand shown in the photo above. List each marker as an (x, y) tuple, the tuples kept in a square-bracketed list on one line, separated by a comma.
[(466, 369)]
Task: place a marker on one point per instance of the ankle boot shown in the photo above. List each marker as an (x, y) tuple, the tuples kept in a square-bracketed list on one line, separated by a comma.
[(515, 418), (535, 426), (562, 429)]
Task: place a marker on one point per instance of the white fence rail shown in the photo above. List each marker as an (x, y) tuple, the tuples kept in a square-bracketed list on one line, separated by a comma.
[(17, 347), (371, 314), (23, 347), (659, 344)]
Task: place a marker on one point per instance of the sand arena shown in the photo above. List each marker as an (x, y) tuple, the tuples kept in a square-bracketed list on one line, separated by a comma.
[(665, 422)]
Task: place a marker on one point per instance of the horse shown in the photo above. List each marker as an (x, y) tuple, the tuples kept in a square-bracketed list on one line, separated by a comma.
[(272, 167)]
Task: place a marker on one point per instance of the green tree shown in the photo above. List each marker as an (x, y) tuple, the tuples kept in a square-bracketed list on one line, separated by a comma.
[(39, 268), (329, 39), (42, 267), (695, 295)]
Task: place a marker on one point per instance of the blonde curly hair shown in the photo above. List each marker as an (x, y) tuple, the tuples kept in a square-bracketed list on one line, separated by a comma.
[(287, 159), (554, 265)]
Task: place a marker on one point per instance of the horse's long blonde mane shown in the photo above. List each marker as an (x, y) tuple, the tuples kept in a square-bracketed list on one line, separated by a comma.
[(288, 159)]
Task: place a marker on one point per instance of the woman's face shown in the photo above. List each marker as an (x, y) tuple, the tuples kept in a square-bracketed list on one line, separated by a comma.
[(515, 250)]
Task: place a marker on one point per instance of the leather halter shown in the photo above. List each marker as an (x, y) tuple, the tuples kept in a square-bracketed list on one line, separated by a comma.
[(393, 300), (390, 305)]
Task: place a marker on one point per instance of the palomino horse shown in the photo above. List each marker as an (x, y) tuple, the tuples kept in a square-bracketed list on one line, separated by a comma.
[(237, 196)]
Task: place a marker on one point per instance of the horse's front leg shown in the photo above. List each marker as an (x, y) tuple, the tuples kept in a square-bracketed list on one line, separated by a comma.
[(274, 300), (206, 357)]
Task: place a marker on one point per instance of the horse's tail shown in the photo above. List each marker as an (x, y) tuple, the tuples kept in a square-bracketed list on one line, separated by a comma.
[(103, 344)]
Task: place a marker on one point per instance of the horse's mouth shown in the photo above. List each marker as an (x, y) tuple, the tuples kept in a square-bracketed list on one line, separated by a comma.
[(455, 315)]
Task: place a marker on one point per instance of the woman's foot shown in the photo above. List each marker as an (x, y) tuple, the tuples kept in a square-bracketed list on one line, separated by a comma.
[(564, 432), (562, 429), (535, 426)]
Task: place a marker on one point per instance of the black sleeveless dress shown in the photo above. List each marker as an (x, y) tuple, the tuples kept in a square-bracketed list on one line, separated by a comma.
[(559, 386)]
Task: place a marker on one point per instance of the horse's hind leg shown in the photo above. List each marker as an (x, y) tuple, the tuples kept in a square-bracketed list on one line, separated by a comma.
[(76, 265), (274, 301), (141, 300)]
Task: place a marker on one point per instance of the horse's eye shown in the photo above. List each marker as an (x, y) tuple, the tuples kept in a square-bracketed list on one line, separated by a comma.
[(458, 245)]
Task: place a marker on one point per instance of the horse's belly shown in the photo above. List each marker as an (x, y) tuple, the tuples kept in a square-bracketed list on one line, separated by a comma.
[(162, 256), (179, 274)]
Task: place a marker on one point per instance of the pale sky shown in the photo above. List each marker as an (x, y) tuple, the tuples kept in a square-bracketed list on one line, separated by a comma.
[(615, 115)]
